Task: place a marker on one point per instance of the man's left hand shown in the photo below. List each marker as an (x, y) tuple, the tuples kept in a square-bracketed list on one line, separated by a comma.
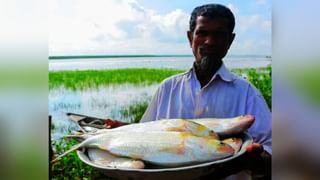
[(258, 161)]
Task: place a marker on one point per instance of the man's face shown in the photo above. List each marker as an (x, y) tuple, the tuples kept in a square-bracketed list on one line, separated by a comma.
[(210, 40)]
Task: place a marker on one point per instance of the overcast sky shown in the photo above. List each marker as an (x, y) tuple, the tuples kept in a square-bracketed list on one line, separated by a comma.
[(82, 27)]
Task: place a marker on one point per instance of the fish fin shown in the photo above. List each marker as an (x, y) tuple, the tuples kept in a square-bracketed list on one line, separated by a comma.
[(194, 128)]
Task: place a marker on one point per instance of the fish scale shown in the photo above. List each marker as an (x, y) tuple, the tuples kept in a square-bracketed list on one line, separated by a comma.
[(168, 148), (161, 148)]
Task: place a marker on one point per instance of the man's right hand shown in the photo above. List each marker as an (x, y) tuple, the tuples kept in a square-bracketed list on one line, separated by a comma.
[(255, 159)]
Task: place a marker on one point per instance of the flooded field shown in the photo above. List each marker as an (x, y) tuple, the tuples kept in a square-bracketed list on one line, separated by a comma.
[(112, 101)]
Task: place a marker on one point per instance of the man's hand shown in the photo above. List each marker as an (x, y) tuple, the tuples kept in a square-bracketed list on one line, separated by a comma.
[(255, 159), (254, 148), (258, 161)]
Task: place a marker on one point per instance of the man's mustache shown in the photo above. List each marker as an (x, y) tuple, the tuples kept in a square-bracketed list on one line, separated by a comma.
[(207, 48)]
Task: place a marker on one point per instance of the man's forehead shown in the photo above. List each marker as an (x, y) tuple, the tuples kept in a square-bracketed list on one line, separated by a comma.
[(210, 19), (202, 20)]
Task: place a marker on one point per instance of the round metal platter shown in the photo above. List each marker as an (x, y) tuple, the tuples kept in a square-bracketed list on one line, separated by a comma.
[(183, 172)]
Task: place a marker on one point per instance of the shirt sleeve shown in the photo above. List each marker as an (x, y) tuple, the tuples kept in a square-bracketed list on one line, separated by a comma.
[(151, 113), (261, 128)]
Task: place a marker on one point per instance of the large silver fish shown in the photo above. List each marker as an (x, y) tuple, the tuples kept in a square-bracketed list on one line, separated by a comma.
[(166, 148), (177, 125), (219, 128)]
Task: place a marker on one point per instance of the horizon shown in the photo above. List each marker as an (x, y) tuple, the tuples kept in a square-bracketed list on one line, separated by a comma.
[(55, 57)]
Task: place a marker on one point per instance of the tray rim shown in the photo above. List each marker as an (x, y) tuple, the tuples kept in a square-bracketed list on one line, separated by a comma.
[(244, 136)]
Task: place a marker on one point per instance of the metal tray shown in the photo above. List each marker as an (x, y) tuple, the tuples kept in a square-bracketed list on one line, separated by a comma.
[(177, 173)]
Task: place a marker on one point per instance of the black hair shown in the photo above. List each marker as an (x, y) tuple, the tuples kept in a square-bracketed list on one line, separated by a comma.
[(212, 11)]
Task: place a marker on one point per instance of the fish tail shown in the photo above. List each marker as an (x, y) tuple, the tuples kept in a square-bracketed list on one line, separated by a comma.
[(73, 148)]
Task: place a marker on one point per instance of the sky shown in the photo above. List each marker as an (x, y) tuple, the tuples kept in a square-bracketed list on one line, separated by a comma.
[(111, 27)]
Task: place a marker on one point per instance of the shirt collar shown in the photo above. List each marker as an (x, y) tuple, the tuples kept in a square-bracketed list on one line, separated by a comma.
[(223, 73)]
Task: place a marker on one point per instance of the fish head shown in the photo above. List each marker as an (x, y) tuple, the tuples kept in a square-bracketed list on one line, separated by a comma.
[(246, 121), (234, 142), (235, 125), (224, 148)]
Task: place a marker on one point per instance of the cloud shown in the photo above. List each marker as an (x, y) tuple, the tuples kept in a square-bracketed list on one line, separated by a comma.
[(251, 46), (255, 22), (261, 2), (127, 27), (247, 22), (233, 8), (104, 26), (173, 24), (266, 25), (253, 35)]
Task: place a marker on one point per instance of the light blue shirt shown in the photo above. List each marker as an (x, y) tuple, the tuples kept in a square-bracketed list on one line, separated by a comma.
[(225, 96)]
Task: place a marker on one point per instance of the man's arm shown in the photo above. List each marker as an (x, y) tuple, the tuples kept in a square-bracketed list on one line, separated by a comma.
[(152, 111), (258, 155), (261, 130)]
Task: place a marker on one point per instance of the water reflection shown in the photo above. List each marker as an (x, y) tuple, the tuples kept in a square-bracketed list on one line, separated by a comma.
[(103, 102)]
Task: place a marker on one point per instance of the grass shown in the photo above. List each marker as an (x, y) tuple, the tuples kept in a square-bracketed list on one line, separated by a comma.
[(95, 78), (135, 111), (70, 166)]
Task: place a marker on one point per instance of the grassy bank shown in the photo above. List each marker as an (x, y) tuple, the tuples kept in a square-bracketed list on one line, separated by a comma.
[(95, 78), (71, 167)]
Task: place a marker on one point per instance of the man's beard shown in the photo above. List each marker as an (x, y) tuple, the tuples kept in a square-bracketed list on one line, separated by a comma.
[(206, 64)]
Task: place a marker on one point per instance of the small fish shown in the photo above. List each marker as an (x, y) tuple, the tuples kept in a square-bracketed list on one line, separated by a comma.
[(227, 127), (104, 158), (165, 148)]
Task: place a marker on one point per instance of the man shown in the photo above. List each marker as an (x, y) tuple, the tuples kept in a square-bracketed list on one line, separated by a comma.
[(209, 89)]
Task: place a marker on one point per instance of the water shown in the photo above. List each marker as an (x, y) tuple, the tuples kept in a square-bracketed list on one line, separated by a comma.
[(183, 63), (103, 102)]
